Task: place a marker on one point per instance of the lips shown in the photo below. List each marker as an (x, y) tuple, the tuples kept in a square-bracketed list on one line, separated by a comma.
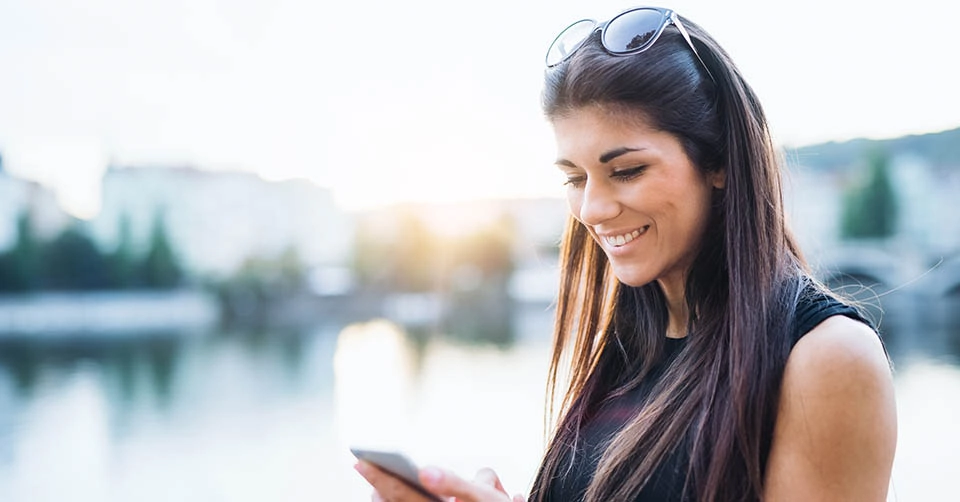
[(619, 240)]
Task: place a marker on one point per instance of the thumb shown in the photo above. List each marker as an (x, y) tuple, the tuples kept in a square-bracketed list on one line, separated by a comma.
[(448, 484)]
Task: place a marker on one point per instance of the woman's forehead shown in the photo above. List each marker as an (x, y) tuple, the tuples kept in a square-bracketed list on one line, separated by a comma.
[(592, 130)]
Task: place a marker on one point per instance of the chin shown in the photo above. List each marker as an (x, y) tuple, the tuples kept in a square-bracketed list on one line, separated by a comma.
[(634, 284), (633, 278)]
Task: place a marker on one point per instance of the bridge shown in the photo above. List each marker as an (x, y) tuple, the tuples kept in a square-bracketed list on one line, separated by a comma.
[(909, 294), (886, 270)]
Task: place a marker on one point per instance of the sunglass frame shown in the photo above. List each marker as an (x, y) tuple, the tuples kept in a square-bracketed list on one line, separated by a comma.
[(667, 16)]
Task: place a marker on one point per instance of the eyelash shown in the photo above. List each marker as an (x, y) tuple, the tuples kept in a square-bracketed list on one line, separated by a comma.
[(622, 175)]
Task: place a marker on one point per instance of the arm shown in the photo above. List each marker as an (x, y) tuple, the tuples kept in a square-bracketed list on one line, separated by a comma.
[(836, 428)]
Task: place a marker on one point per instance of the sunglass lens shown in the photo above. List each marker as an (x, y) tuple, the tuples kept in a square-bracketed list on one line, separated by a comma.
[(633, 30), (569, 40)]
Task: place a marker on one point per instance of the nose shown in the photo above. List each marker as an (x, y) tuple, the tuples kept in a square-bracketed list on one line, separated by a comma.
[(598, 202)]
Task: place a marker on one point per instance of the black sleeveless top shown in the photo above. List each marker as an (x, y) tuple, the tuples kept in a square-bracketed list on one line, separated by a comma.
[(667, 482)]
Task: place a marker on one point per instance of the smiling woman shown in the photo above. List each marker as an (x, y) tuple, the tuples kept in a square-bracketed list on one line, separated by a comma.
[(645, 203), (706, 362)]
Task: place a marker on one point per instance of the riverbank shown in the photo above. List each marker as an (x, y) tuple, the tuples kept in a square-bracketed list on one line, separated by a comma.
[(107, 313)]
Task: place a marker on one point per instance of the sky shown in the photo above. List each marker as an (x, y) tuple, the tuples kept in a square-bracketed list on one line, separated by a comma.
[(422, 100)]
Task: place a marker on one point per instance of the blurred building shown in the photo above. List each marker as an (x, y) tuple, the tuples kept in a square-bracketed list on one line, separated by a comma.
[(928, 195), (814, 203), (217, 220), (928, 222), (18, 197)]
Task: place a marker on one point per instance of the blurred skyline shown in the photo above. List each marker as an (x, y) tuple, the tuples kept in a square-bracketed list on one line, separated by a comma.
[(424, 101)]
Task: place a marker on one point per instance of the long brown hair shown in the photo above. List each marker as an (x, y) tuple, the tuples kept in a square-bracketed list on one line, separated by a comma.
[(719, 396)]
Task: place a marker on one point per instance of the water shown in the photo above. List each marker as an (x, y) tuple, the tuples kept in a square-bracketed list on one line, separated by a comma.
[(250, 415)]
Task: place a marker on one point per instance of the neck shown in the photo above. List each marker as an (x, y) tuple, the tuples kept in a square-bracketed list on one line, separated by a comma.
[(678, 314)]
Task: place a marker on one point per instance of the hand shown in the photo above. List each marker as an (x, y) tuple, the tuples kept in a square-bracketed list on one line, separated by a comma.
[(485, 487)]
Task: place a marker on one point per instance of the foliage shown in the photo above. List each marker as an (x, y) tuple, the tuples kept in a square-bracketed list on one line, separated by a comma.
[(125, 269), (413, 258), (407, 260), (940, 149), (259, 283), (870, 210), (159, 268), (489, 250), (20, 266), (72, 261), (469, 273), (282, 273)]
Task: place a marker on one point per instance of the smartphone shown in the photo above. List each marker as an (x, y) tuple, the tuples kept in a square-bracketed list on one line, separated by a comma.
[(397, 464)]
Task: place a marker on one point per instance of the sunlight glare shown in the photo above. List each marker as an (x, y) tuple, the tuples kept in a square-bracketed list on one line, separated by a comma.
[(373, 384)]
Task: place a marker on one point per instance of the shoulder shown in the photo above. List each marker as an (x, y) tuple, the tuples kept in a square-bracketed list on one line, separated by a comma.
[(814, 305), (836, 343), (835, 433)]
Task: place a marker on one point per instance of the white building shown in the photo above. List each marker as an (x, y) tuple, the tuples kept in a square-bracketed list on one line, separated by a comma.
[(928, 215), (18, 196), (813, 201), (927, 219), (216, 220)]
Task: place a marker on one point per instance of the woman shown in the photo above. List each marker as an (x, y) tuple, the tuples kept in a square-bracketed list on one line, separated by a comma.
[(706, 363)]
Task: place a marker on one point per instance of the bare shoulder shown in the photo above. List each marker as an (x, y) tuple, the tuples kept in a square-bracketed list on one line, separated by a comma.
[(838, 344), (835, 434)]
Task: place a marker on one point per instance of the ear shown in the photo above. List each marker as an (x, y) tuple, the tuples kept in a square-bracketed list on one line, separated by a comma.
[(718, 178)]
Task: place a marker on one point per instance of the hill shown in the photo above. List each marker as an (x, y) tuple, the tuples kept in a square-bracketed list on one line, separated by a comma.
[(940, 150)]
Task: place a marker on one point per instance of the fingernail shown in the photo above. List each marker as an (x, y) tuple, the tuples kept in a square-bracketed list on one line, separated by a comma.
[(360, 467), (431, 475)]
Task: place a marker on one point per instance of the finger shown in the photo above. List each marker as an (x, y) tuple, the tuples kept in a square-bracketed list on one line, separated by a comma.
[(388, 487), (448, 484), (375, 497), (487, 477), (519, 498)]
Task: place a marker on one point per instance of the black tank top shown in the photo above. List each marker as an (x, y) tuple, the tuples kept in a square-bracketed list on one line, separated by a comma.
[(667, 481)]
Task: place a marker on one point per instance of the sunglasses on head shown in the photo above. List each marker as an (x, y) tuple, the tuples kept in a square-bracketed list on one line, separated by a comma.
[(630, 32)]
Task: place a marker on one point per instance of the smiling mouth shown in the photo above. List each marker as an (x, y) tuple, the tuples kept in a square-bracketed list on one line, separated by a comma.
[(622, 240)]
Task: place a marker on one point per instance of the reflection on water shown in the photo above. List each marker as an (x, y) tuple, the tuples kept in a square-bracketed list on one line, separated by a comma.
[(374, 371), (269, 414)]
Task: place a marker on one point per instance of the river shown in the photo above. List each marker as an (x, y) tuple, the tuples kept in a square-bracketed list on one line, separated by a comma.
[(270, 414)]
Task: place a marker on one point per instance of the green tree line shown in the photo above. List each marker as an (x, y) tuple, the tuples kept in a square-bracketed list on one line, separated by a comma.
[(870, 208), (470, 272), (72, 261), (941, 149)]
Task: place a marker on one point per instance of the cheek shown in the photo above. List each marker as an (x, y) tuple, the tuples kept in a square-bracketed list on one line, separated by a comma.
[(697, 218), (574, 200)]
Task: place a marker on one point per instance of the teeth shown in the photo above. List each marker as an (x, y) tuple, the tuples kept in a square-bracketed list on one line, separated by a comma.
[(619, 240)]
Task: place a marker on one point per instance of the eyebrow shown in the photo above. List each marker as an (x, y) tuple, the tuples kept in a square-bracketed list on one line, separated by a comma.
[(604, 158), (616, 152)]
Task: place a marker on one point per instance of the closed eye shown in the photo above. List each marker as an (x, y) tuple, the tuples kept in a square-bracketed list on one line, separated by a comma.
[(575, 181), (621, 175), (628, 174)]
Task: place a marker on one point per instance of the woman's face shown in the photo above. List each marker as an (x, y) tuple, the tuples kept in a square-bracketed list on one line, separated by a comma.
[(636, 191)]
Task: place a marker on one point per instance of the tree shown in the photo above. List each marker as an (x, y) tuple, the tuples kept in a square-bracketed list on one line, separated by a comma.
[(73, 262), (414, 257), (160, 268), (408, 260), (20, 266), (123, 263), (870, 210)]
